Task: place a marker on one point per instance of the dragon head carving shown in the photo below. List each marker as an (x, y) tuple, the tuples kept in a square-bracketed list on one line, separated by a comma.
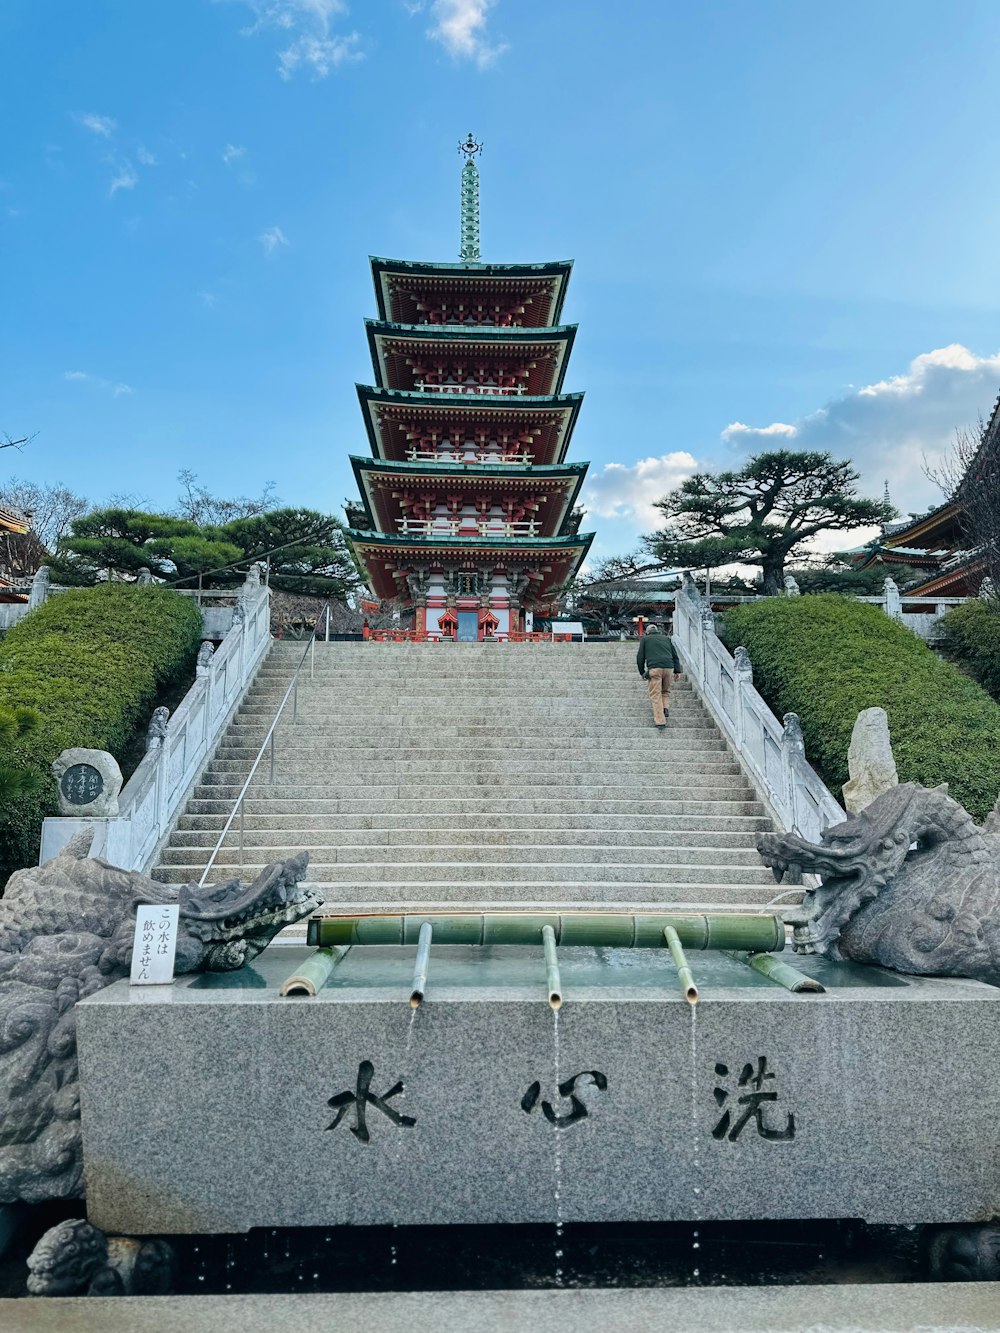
[(66, 931), (910, 883)]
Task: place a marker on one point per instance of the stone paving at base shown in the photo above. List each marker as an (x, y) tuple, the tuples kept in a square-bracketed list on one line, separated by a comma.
[(882, 1308)]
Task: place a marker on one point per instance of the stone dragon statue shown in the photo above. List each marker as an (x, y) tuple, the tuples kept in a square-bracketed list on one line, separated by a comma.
[(909, 883), (66, 931)]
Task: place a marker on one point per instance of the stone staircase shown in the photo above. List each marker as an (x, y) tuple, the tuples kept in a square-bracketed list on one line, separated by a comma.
[(480, 773)]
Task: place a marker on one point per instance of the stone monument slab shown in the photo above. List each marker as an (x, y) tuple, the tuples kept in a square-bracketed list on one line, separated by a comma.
[(221, 1107), (89, 782)]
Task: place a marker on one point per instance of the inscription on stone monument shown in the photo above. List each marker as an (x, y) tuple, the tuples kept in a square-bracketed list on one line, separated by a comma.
[(577, 1107), (361, 1098), (754, 1101), (81, 784)]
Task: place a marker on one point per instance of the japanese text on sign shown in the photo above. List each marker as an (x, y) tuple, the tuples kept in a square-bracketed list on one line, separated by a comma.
[(155, 945)]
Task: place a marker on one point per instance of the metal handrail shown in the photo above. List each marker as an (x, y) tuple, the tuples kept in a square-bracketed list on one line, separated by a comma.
[(293, 690)]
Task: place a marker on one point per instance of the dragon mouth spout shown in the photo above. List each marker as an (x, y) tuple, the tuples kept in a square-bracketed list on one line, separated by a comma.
[(232, 922), (853, 862)]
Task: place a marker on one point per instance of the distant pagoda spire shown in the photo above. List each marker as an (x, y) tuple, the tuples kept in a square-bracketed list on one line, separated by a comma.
[(888, 501), (469, 252)]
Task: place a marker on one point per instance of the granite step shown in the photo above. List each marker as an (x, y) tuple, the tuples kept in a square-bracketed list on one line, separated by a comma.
[(256, 808), (624, 825), (494, 856), (477, 841)]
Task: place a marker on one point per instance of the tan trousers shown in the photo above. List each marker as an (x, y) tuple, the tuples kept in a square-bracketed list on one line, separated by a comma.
[(660, 680)]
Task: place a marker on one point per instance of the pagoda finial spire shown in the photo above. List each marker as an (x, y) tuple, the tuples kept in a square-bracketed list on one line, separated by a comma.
[(469, 252)]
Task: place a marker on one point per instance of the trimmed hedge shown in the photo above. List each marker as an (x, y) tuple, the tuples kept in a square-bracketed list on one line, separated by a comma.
[(91, 662), (827, 657), (972, 636)]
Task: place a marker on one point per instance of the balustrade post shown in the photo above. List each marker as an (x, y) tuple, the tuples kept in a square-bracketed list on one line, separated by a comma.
[(891, 602), (706, 626), (743, 682), (793, 746)]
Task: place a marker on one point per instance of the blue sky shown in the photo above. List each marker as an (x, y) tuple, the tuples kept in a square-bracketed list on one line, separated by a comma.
[(783, 217)]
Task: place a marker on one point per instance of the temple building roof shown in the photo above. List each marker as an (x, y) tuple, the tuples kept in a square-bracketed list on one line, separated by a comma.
[(396, 496), (939, 529), (12, 520), (550, 561), (402, 286), (396, 419), (411, 356)]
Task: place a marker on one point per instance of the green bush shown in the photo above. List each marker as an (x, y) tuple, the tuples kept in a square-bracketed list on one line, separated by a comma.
[(972, 636), (827, 657), (90, 663)]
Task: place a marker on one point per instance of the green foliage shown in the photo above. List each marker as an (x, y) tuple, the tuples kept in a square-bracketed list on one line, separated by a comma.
[(308, 552), (762, 513), (835, 575), (87, 666), (117, 543), (827, 657), (972, 636), (15, 780)]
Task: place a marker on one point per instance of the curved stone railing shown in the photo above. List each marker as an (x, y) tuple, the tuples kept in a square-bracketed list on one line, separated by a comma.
[(772, 753), (156, 791)]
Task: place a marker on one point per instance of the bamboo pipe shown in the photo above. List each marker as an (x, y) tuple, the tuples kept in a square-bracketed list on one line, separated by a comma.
[(684, 974), (420, 968), (552, 979), (752, 933), (314, 973), (778, 971)]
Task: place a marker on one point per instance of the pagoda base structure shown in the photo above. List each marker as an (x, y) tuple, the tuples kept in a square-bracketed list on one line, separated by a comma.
[(469, 595)]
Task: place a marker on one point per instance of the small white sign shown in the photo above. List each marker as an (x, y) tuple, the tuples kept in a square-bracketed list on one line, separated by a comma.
[(155, 945), (567, 627)]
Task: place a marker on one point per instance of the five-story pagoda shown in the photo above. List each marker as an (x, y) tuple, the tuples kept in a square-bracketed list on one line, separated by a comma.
[(467, 511)]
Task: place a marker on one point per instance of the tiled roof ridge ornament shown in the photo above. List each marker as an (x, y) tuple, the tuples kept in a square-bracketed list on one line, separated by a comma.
[(469, 252)]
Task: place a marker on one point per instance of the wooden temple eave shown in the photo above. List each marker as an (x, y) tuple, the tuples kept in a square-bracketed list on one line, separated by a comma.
[(401, 424), (548, 280), (961, 581), (937, 530), (507, 363), (12, 520)]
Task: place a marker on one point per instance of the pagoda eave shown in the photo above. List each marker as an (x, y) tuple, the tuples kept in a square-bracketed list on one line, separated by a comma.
[(386, 272), (548, 493), (388, 342), (550, 562), (552, 417)]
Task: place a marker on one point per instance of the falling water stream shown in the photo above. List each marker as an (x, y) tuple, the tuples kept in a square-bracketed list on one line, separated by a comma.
[(558, 1246), (695, 1143), (411, 1023)]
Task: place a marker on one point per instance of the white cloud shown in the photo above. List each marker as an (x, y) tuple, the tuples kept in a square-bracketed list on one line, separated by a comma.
[(272, 239), (124, 178), (460, 27), (891, 429), (629, 492), (308, 24), (144, 157), (117, 390), (233, 152), (102, 125), (737, 433), (208, 299)]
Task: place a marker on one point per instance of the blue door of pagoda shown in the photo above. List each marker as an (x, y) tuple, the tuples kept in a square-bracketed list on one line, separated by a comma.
[(468, 626)]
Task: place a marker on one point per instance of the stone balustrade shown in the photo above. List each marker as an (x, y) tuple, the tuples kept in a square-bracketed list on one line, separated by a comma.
[(771, 752)]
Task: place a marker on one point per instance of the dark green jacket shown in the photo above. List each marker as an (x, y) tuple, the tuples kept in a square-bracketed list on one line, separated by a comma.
[(656, 650)]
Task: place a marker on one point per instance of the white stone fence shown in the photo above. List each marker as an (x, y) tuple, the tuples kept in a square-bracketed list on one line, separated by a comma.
[(176, 753), (920, 614), (216, 619), (772, 753)]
